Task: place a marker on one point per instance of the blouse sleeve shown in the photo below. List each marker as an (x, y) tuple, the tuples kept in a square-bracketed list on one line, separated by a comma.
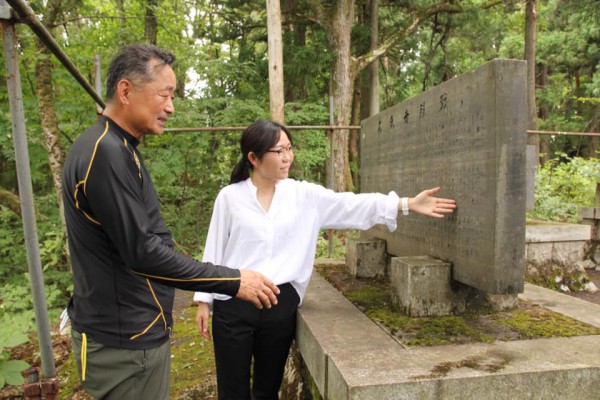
[(216, 240), (355, 211)]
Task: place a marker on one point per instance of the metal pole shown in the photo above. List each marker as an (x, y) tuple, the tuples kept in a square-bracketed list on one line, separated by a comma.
[(17, 115), (26, 13)]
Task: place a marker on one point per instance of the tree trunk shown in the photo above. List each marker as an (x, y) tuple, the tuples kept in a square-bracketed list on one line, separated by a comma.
[(343, 87), (545, 151), (374, 94), (337, 21), (122, 21), (275, 53), (48, 120), (530, 50), (151, 22), (354, 144), (295, 86)]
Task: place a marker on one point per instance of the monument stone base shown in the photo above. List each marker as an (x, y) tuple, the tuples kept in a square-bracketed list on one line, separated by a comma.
[(366, 258), (421, 286), (348, 356)]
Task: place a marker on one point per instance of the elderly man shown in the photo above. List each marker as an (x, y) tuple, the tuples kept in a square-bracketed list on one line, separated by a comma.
[(124, 266)]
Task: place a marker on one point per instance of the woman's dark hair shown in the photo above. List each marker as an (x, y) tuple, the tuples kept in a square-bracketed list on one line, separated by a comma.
[(132, 62), (257, 138)]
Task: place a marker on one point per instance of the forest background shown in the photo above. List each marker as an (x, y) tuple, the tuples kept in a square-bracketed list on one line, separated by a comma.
[(222, 69)]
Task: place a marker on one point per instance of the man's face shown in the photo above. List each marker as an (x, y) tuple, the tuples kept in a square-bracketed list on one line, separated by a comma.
[(151, 103)]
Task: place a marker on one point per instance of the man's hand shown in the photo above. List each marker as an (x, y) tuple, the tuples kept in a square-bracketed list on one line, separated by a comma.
[(202, 317), (257, 289)]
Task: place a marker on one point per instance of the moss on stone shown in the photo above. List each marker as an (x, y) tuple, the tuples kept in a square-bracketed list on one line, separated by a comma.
[(373, 297)]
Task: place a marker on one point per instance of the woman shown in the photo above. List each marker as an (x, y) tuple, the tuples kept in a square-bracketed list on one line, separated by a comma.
[(269, 223)]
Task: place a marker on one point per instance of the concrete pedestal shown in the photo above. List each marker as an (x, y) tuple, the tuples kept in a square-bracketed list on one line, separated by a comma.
[(366, 258), (421, 286)]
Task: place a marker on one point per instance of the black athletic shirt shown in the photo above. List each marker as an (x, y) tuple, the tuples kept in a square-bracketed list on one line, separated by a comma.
[(124, 266)]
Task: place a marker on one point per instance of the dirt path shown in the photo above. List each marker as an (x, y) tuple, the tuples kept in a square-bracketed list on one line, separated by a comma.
[(183, 299)]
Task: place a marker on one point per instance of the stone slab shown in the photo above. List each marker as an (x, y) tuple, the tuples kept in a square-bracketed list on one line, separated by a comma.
[(350, 357), (467, 135), (330, 322), (556, 232), (561, 368)]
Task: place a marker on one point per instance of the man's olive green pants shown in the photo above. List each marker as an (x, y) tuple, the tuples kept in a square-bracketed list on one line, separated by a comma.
[(115, 374)]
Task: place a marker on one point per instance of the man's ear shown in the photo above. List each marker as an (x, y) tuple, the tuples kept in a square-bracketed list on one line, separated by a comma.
[(124, 89)]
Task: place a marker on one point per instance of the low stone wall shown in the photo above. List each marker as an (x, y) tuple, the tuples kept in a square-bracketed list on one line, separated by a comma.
[(349, 357), (557, 254)]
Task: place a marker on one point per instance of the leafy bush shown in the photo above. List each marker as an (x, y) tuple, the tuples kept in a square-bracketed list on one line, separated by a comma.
[(11, 334), (562, 186)]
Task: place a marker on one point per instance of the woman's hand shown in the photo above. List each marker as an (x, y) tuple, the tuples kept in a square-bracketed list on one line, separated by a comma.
[(425, 203), (202, 318)]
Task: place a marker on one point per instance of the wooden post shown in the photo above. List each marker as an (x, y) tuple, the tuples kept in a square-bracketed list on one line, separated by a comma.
[(275, 54)]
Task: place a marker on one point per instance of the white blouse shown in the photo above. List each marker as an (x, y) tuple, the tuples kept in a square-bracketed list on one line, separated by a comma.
[(281, 243)]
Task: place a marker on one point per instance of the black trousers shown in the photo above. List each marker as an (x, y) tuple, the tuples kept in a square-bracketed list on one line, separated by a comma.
[(242, 333)]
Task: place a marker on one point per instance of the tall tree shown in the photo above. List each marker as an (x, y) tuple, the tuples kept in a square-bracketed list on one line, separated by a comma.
[(337, 20), (374, 73), (151, 21), (47, 110)]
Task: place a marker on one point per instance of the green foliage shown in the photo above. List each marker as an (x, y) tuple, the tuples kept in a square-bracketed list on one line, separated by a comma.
[(562, 187), (15, 290), (11, 335)]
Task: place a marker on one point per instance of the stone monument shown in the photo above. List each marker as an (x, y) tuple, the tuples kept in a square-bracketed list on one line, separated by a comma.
[(467, 135)]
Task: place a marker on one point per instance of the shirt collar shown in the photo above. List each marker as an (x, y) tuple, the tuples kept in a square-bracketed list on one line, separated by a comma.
[(126, 135)]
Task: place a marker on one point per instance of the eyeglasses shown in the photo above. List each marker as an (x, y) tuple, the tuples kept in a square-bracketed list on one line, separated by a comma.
[(283, 150)]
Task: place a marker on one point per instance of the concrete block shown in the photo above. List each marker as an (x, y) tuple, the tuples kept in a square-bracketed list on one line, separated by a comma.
[(422, 285), (366, 258)]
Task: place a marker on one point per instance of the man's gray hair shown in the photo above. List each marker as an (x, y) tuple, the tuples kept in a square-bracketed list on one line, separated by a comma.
[(133, 63)]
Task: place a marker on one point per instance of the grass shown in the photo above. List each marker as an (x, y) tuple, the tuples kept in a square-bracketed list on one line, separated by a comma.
[(193, 372)]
